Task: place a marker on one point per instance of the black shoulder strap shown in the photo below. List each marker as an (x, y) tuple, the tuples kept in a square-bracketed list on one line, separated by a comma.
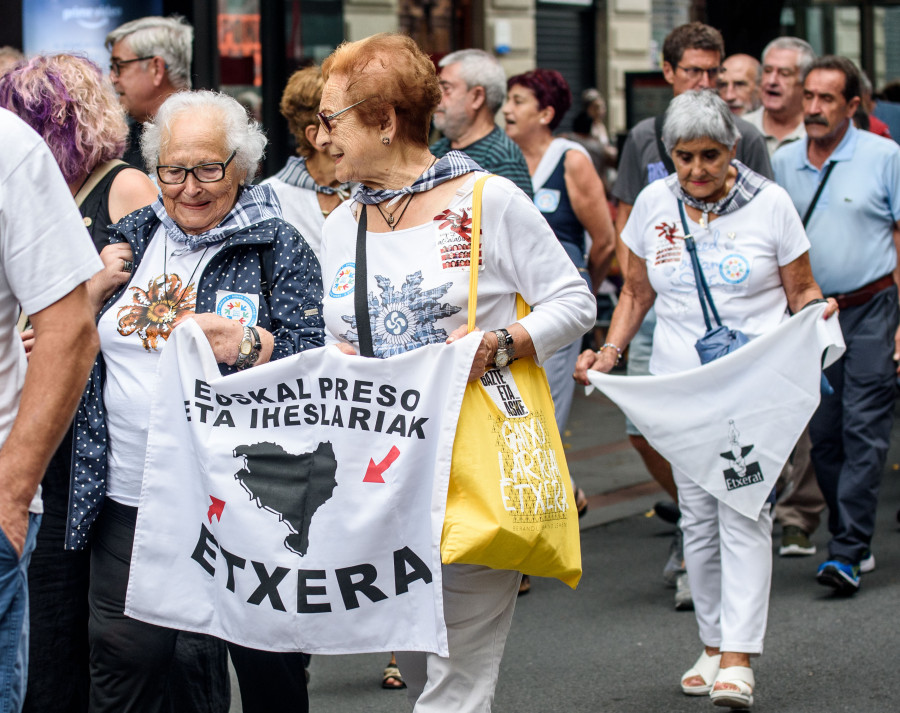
[(360, 292), (267, 265), (815, 199), (660, 146)]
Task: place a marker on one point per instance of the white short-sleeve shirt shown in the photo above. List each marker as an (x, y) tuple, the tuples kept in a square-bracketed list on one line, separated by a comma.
[(740, 253), (45, 250)]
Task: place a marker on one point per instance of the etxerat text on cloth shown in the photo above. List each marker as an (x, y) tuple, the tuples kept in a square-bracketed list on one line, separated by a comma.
[(298, 505), (731, 425)]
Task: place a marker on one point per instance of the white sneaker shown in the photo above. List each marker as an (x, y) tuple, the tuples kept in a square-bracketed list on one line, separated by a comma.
[(867, 563), (683, 599)]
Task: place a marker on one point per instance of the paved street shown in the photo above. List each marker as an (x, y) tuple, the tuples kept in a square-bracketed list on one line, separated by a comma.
[(616, 644)]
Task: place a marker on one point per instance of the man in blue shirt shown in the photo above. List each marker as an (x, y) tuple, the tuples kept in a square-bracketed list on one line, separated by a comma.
[(853, 229)]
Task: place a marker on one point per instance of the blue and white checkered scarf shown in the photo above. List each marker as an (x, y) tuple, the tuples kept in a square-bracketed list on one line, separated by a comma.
[(747, 184), (296, 174), (452, 165), (254, 205)]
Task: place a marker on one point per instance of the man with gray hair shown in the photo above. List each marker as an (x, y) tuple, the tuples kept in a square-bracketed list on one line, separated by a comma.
[(150, 59), (473, 88), (780, 118)]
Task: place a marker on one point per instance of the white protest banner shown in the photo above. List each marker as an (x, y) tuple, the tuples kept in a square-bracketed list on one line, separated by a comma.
[(730, 425), (298, 505)]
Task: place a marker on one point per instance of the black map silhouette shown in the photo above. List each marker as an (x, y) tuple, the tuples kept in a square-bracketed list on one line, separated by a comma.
[(291, 486)]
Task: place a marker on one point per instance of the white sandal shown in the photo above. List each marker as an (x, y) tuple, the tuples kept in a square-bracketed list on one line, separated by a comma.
[(707, 668), (742, 678)]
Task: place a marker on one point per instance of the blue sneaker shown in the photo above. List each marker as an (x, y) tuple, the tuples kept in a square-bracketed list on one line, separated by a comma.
[(843, 577), (867, 563)]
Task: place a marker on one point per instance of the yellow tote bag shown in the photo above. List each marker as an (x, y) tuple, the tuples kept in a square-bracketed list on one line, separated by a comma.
[(510, 503)]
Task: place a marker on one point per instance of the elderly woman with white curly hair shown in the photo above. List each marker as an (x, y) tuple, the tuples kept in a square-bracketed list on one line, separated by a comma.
[(754, 254), (213, 249)]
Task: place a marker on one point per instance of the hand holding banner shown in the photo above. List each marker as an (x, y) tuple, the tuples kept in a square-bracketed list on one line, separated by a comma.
[(298, 505)]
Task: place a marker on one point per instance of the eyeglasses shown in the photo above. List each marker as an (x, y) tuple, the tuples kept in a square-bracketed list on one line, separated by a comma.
[(697, 72), (203, 172), (115, 64), (326, 120)]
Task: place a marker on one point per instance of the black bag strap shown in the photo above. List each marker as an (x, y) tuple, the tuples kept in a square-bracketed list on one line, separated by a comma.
[(360, 292), (267, 268), (660, 146), (815, 199), (699, 277)]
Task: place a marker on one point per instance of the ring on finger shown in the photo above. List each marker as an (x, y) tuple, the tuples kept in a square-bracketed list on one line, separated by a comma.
[(128, 266)]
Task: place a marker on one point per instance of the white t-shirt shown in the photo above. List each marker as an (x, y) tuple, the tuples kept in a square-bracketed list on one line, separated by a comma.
[(300, 207), (133, 333), (740, 253), (45, 250), (420, 276)]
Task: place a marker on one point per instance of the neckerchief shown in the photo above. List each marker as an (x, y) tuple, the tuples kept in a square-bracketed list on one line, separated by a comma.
[(452, 165), (747, 184), (254, 205), (296, 174)]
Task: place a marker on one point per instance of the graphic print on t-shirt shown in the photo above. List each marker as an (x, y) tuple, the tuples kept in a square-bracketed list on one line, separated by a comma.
[(669, 245), (455, 238), (404, 320), (155, 311)]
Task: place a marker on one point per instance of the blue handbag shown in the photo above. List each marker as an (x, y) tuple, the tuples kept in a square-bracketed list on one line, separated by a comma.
[(719, 340)]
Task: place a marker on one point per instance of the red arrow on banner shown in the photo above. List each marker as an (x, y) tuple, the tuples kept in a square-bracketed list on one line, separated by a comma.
[(374, 471), (216, 509)]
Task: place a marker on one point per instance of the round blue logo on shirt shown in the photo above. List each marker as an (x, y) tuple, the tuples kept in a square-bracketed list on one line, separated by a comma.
[(734, 269), (344, 280)]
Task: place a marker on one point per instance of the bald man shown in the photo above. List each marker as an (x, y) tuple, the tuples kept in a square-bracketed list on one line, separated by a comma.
[(738, 83)]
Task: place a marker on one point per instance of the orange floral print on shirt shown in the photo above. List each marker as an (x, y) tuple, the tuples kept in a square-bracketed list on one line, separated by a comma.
[(155, 310)]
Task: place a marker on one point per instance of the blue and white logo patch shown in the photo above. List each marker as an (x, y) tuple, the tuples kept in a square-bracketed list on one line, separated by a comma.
[(344, 281), (547, 200), (238, 306), (734, 269)]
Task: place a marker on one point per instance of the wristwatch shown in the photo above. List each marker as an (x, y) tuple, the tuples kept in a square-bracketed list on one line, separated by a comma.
[(505, 348), (249, 349)]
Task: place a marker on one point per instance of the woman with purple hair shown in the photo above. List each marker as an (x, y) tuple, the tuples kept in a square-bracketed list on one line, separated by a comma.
[(69, 101), (569, 194)]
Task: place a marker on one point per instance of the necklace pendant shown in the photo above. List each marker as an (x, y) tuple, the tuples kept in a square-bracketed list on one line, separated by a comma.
[(390, 219)]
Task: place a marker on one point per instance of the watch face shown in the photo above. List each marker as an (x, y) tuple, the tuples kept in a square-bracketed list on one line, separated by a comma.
[(246, 346), (501, 359)]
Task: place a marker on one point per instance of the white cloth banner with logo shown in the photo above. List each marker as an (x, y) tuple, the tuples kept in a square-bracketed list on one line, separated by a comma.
[(731, 425), (298, 505)]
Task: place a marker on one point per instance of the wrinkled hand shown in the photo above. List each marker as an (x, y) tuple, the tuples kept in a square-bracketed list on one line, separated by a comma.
[(28, 341), (14, 523), (897, 348), (102, 285), (598, 361), (224, 334), (484, 356)]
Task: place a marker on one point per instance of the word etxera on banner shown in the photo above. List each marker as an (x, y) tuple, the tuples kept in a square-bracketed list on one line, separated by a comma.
[(288, 508)]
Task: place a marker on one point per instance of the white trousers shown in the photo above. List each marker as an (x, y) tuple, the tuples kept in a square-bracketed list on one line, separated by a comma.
[(729, 564), (478, 608)]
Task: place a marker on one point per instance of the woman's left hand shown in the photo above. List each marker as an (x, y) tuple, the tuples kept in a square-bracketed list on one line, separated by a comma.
[(484, 357), (831, 309), (224, 334)]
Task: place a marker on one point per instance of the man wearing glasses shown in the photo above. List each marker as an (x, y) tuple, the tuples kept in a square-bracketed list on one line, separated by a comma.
[(692, 58), (150, 59)]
